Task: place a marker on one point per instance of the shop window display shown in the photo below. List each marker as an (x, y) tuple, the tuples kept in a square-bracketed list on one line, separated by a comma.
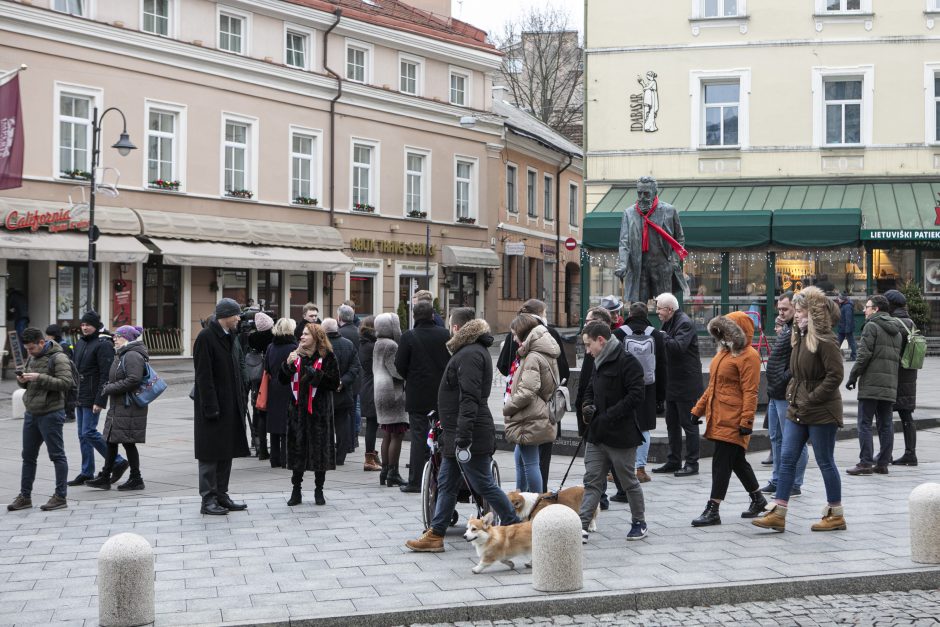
[(703, 270), (235, 286), (892, 269), (832, 271)]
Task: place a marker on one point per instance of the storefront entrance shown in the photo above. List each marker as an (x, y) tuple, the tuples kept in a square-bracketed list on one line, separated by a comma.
[(462, 291), (161, 315), (407, 286)]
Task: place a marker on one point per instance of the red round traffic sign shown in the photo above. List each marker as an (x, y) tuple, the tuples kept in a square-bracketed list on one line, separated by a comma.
[(571, 243)]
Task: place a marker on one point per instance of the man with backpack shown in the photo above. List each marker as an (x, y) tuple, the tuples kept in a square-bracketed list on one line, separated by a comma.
[(47, 378)]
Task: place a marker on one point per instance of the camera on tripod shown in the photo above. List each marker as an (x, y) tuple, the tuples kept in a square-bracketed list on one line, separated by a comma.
[(246, 321)]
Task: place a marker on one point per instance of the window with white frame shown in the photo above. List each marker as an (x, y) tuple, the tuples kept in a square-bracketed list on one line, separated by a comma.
[(232, 32), (237, 157), (720, 103), (409, 71), (415, 181), (75, 113), (573, 204), (936, 107), (843, 117), (842, 6), (72, 7), (162, 145), (719, 8), (156, 17), (548, 209), (363, 175), (296, 49), (512, 205), (303, 168), (357, 63), (531, 190), (459, 88), (464, 188)]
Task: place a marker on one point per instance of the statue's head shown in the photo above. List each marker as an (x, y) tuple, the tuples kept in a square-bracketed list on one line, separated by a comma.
[(646, 189)]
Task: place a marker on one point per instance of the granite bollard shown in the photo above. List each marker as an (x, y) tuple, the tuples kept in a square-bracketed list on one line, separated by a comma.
[(556, 550), (924, 508), (125, 582)]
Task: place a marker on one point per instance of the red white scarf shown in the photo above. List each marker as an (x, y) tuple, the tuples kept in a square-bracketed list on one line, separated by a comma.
[(509, 378), (295, 382), (647, 223)]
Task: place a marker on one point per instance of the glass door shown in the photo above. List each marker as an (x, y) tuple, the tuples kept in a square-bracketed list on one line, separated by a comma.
[(407, 286), (462, 291)]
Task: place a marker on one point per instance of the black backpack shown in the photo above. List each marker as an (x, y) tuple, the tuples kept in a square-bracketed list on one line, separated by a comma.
[(71, 394)]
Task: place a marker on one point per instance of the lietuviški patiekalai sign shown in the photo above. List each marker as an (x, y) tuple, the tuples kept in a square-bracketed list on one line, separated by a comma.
[(54, 221), (924, 235)]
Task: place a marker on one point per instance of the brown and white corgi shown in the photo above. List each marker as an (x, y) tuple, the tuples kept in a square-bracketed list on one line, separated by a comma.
[(497, 543), (528, 504)]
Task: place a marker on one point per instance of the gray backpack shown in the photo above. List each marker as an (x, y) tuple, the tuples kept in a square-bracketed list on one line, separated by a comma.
[(643, 347)]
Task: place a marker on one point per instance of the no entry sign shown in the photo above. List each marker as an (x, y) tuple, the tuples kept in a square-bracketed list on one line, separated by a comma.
[(571, 243)]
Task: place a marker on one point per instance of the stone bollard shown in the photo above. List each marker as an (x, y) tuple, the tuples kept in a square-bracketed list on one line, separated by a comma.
[(19, 408), (125, 582), (924, 508), (556, 550)]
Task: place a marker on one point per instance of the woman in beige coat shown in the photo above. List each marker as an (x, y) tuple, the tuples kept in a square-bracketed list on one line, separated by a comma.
[(532, 378)]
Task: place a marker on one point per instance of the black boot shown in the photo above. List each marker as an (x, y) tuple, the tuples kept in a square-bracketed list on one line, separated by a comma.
[(709, 516), (134, 483), (394, 479), (102, 481), (263, 450), (295, 496), (910, 445), (383, 475), (756, 508), (318, 492)]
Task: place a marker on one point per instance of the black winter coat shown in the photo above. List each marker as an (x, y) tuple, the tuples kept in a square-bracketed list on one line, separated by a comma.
[(279, 394), (778, 365), (93, 356), (367, 389), (655, 392), (221, 396), (616, 390), (350, 370), (507, 355), (311, 443), (907, 377), (421, 359), (351, 332), (682, 358), (587, 371), (126, 422), (463, 398)]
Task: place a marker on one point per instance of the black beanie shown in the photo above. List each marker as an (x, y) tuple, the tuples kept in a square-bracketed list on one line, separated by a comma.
[(92, 318)]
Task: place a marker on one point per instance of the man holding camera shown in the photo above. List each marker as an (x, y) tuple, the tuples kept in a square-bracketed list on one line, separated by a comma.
[(469, 435)]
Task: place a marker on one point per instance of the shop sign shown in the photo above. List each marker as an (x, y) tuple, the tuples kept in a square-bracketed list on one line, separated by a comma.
[(54, 221), (548, 252), (515, 249), (363, 245), (902, 234)]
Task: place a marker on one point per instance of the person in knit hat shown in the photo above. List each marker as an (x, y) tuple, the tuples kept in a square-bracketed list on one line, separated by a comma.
[(220, 401), (258, 343), (907, 383)]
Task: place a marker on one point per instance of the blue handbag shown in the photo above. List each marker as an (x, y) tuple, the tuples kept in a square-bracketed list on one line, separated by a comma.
[(151, 386)]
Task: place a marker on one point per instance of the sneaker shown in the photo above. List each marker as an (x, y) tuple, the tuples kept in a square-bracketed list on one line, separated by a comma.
[(770, 488), (79, 480), (795, 491), (638, 531), (584, 536), (119, 469), (56, 502), (605, 502), (20, 502), (429, 542)]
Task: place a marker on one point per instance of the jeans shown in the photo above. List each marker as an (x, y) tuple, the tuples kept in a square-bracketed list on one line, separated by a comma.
[(776, 423), (213, 479), (643, 450), (597, 459), (528, 473), (883, 412), (39, 428), (823, 439), (730, 458), (418, 425), (852, 346), (910, 432), (480, 477), (679, 420), (90, 440), (342, 427), (356, 426)]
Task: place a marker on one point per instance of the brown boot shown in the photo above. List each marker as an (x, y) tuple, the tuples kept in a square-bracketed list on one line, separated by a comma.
[(774, 518), (371, 462), (429, 542), (832, 519), (642, 475)]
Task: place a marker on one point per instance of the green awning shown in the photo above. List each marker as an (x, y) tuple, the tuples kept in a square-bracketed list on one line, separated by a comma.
[(725, 229), (818, 228)]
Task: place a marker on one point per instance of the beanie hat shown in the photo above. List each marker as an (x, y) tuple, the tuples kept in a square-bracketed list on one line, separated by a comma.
[(896, 298), (129, 333), (54, 330), (92, 318), (263, 321), (226, 308)]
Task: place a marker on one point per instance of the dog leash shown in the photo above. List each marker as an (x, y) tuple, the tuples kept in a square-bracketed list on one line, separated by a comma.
[(565, 478)]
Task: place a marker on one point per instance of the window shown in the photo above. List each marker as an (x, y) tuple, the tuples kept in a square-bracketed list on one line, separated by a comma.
[(843, 5), (75, 113), (362, 292), (721, 113), (235, 285), (843, 105), (239, 156), (411, 70), (573, 204), (295, 53), (719, 8), (72, 7), (464, 192), (365, 179), (548, 208), (459, 88), (162, 128), (512, 205), (514, 65), (531, 205), (303, 167), (936, 108), (233, 32), (416, 180), (156, 17), (358, 61), (162, 296), (843, 111), (269, 291)]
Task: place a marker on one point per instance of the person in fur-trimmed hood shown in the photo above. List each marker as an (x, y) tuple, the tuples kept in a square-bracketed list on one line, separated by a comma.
[(728, 405), (815, 407), (389, 396)]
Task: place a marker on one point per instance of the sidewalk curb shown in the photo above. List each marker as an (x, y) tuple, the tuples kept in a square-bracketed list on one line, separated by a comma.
[(656, 598)]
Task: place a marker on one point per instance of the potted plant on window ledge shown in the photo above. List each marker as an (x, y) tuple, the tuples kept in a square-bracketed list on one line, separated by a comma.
[(466, 220), (240, 193), (414, 213), (173, 186), (364, 207), (76, 174), (306, 200)]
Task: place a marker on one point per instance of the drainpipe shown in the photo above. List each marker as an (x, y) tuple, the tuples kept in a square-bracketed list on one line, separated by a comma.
[(558, 234), (339, 94)]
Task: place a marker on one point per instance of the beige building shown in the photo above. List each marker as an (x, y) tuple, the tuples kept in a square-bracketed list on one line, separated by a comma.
[(799, 139), (287, 151)]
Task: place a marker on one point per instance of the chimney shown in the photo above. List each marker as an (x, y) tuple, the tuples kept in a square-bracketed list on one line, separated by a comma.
[(438, 7), (501, 93)]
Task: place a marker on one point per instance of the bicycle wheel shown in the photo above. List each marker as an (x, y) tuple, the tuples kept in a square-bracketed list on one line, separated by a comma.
[(428, 494)]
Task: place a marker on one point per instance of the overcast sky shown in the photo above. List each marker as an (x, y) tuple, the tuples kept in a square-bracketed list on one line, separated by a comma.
[(491, 15)]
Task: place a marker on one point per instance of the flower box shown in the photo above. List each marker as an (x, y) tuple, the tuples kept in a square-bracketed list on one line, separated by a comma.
[(305, 200), (364, 208), (466, 220), (240, 193), (418, 214), (173, 186), (76, 174)]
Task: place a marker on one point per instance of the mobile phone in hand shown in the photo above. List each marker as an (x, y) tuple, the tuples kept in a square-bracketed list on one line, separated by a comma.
[(19, 373)]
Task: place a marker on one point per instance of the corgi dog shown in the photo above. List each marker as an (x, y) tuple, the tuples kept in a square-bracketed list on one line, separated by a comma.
[(499, 544), (528, 504)]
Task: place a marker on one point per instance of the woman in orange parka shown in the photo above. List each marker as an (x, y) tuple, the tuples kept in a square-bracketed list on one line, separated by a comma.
[(728, 405)]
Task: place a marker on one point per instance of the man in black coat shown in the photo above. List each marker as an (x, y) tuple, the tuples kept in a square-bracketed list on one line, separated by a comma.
[(344, 399), (684, 386), (906, 402), (94, 353), (220, 405), (349, 328), (421, 358), (613, 434), (468, 430)]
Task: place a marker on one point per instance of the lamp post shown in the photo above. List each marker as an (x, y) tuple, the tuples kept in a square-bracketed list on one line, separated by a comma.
[(124, 146)]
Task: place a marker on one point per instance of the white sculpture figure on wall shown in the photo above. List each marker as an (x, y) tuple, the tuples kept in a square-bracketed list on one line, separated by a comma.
[(650, 100)]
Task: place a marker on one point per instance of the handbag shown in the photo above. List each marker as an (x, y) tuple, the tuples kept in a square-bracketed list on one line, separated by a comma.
[(558, 401), (916, 349), (261, 400), (151, 386)]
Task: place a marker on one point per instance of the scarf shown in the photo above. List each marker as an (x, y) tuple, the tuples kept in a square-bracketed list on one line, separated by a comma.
[(295, 382), (647, 223), (609, 351), (510, 376)]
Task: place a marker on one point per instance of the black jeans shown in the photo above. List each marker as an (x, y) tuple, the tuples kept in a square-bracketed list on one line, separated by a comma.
[(39, 429), (342, 426), (679, 420), (372, 427), (730, 458), (419, 425), (883, 412), (278, 450), (213, 478), (910, 432)]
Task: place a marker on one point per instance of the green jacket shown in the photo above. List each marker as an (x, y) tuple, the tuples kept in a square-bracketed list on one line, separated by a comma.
[(879, 355), (47, 393)]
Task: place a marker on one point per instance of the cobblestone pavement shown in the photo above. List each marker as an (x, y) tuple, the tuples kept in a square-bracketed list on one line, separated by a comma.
[(917, 608)]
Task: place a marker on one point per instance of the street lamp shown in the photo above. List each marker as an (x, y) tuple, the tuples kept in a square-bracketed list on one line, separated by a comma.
[(124, 146)]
